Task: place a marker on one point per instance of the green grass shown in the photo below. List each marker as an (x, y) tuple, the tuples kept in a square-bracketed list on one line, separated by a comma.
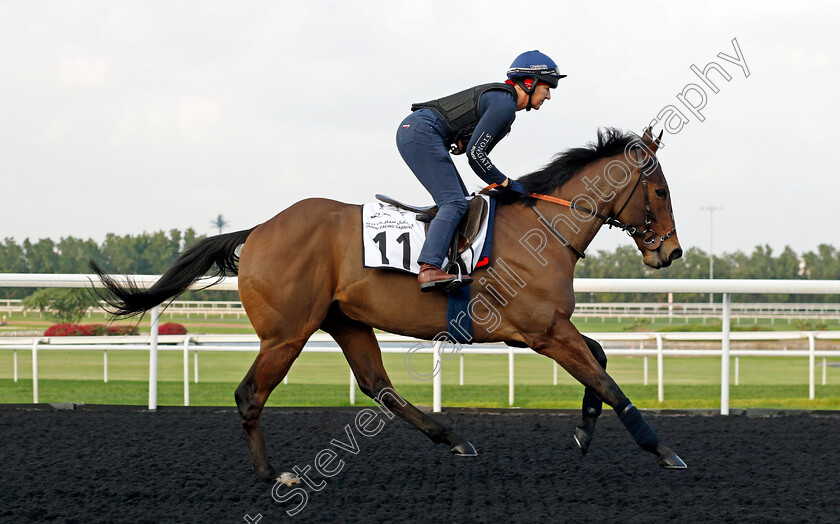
[(215, 324), (318, 379), (546, 396), (323, 379), (613, 325)]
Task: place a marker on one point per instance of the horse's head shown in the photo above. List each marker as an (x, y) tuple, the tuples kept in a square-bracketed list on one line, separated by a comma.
[(617, 180), (647, 205)]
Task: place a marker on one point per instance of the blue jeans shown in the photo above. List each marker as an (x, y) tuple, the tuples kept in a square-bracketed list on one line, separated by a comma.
[(422, 140)]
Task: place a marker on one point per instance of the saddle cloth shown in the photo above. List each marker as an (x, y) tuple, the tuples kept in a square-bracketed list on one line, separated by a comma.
[(393, 237)]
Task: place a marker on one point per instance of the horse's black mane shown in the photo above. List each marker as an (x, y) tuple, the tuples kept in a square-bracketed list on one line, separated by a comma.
[(565, 165)]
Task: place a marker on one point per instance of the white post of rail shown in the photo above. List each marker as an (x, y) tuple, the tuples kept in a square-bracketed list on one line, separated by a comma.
[(153, 358), (812, 346), (437, 380), (187, 370), (195, 365), (105, 364), (461, 377), (737, 370), (16, 367), (660, 369), (670, 307), (724, 355), (510, 376), (556, 365), (35, 370), (352, 389)]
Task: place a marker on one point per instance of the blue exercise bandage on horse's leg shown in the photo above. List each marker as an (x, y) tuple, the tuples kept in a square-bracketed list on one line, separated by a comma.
[(631, 417)]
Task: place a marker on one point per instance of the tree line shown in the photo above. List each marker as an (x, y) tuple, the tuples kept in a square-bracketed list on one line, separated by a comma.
[(152, 253), (143, 254), (762, 263), (147, 253)]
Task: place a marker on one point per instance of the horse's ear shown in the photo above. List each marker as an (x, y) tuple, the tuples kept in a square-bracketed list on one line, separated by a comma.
[(658, 142), (650, 144)]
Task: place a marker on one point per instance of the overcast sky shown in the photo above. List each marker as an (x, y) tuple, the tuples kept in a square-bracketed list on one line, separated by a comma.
[(127, 117)]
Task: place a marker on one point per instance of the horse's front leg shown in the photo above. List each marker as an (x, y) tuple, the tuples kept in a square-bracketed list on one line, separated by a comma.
[(563, 343), (591, 403)]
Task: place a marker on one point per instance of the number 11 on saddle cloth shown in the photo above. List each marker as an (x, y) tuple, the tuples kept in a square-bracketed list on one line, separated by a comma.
[(392, 238)]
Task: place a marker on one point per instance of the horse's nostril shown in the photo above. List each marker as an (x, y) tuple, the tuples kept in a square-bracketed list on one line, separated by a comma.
[(675, 254)]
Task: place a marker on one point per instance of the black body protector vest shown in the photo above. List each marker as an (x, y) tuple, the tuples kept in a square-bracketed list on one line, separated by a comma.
[(461, 113)]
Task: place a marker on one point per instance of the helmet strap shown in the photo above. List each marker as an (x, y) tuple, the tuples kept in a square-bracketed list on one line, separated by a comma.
[(528, 91)]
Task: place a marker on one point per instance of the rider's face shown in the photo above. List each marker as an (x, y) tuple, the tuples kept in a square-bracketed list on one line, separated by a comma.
[(540, 95)]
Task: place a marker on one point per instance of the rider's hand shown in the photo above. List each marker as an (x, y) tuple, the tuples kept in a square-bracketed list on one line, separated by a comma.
[(513, 185)]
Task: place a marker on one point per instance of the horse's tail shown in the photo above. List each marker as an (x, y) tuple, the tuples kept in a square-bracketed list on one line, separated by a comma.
[(127, 300)]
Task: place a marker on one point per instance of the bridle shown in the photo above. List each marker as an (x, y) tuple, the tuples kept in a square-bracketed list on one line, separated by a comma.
[(648, 236), (649, 239)]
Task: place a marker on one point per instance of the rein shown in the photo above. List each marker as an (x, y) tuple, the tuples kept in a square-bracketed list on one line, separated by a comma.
[(647, 236)]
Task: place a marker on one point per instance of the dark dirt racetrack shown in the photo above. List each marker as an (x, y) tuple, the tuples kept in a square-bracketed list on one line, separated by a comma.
[(112, 464)]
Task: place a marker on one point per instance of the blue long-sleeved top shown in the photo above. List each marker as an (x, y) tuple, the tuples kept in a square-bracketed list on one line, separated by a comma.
[(497, 111)]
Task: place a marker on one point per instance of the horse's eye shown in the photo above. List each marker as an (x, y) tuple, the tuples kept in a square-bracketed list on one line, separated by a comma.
[(662, 193)]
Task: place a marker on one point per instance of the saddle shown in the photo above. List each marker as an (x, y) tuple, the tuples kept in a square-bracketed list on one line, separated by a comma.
[(468, 228)]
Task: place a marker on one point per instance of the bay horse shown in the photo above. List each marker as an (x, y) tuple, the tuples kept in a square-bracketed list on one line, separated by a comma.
[(302, 271)]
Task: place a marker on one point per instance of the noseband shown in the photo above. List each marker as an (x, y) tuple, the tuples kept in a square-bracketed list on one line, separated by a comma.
[(647, 236)]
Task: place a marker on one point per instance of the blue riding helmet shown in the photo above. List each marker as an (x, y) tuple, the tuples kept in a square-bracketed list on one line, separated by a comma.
[(533, 64)]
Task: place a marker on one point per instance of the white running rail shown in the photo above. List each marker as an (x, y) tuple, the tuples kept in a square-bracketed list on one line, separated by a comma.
[(593, 285)]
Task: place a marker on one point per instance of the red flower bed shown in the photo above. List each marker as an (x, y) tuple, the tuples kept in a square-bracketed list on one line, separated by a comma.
[(88, 330), (69, 330), (172, 328), (121, 330)]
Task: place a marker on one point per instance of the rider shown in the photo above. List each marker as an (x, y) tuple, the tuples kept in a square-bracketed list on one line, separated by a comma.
[(473, 120)]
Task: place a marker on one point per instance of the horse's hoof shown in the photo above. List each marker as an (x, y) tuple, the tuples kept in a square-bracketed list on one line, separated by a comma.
[(668, 459), (464, 449), (582, 439), (288, 479)]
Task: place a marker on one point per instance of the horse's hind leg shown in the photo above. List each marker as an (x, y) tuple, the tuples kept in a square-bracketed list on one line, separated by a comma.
[(269, 368), (365, 358), (591, 403)]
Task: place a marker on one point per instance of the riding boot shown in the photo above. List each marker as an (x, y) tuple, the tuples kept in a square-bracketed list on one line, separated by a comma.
[(432, 278)]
